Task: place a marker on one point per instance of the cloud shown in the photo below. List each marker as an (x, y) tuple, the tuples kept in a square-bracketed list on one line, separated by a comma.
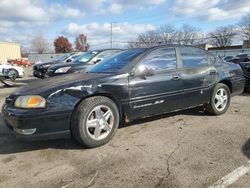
[(114, 6), (100, 33), (59, 11), (212, 10), (25, 11), (88, 4)]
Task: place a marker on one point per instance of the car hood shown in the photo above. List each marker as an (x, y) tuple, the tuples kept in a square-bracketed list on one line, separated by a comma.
[(47, 86), (47, 63), (7, 66), (60, 65)]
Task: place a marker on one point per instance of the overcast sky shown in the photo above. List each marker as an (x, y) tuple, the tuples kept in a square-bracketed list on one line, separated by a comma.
[(20, 20)]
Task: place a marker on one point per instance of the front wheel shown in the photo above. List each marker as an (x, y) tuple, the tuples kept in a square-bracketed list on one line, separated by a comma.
[(220, 100), (12, 74), (95, 121)]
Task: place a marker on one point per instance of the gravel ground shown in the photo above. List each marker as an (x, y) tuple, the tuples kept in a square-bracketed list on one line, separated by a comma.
[(184, 149)]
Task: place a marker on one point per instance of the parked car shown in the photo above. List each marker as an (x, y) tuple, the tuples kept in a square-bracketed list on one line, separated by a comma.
[(227, 58), (136, 83), (240, 58), (20, 62), (244, 61), (83, 62), (12, 70), (246, 71), (40, 69), (242, 55)]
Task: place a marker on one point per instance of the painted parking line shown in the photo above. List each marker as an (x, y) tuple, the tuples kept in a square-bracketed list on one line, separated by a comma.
[(232, 177)]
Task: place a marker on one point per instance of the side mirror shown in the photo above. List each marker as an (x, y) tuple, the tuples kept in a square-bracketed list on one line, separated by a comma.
[(69, 60), (97, 60), (143, 71)]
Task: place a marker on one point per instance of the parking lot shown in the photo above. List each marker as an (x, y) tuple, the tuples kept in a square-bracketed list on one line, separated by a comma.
[(184, 149)]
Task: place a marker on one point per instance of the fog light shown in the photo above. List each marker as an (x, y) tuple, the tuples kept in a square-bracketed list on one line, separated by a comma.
[(25, 131)]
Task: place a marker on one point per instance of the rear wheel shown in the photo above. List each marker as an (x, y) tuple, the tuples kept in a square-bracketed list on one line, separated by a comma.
[(95, 121), (220, 100)]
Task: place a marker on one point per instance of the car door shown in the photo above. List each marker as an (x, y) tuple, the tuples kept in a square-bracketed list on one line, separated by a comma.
[(199, 75), (160, 89)]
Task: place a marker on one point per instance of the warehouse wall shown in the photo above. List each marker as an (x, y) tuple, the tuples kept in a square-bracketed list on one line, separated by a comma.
[(9, 51), (46, 57)]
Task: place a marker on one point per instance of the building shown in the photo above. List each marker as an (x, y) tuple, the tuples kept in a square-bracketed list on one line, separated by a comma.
[(45, 57), (9, 50)]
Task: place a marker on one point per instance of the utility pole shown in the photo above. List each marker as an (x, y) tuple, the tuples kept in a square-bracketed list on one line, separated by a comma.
[(111, 34)]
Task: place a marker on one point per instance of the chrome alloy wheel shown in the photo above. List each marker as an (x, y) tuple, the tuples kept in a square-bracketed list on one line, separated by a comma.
[(100, 122), (221, 99)]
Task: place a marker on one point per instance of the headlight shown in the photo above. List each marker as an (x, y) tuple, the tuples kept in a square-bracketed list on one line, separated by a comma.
[(30, 101), (46, 66), (62, 70)]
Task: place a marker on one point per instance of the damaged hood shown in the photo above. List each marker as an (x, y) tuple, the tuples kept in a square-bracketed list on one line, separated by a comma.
[(49, 85), (41, 64)]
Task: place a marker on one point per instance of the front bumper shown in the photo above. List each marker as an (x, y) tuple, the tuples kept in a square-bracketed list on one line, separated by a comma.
[(38, 74), (37, 124), (51, 73)]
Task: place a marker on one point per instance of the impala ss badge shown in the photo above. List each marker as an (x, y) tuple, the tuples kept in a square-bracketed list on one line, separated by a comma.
[(149, 104)]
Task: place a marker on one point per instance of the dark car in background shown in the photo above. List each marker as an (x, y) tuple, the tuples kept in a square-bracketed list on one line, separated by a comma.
[(246, 71), (83, 62), (244, 61), (40, 69), (240, 58), (135, 83), (227, 58)]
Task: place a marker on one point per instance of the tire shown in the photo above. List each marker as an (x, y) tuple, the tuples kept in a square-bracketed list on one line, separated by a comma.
[(13, 74), (95, 121), (219, 101)]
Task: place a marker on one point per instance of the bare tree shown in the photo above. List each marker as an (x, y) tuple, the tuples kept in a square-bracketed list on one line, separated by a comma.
[(187, 35), (148, 39), (167, 34), (245, 26), (39, 44), (222, 36)]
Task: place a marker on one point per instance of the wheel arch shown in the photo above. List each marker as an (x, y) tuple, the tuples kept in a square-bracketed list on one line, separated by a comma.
[(108, 95), (228, 83)]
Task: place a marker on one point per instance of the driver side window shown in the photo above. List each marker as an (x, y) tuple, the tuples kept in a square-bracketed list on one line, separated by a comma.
[(161, 60)]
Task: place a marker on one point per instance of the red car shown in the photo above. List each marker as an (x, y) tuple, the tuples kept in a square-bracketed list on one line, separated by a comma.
[(20, 62)]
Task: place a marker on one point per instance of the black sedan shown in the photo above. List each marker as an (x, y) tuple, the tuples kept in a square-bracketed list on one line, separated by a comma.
[(246, 71), (135, 83), (40, 69), (82, 63)]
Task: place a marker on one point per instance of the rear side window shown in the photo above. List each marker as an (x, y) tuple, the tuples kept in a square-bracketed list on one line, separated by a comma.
[(195, 57), (161, 59), (107, 53)]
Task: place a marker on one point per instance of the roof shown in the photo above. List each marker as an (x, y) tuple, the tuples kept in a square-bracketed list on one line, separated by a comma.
[(11, 43)]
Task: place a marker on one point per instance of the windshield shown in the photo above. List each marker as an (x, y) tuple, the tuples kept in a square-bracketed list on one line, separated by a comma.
[(74, 57), (62, 58), (85, 57), (116, 62)]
